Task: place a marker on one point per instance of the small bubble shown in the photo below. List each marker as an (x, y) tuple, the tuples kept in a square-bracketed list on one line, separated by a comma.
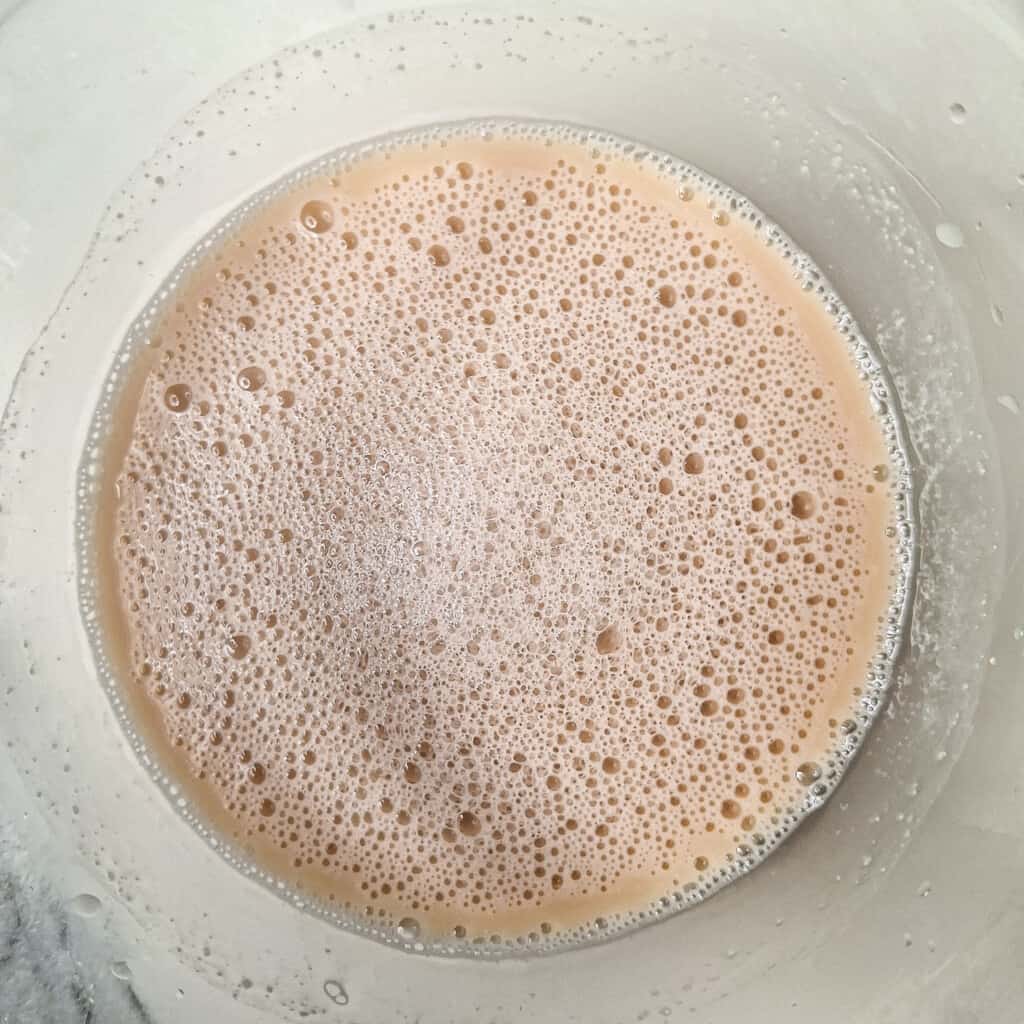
[(178, 397), (807, 773), (667, 296), (693, 463), (408, 928), (469, 823), (438, 256), (957, 113), (317, 216), (949, 235), (238, 646), (802, 505), (609, 640), (252, 378)]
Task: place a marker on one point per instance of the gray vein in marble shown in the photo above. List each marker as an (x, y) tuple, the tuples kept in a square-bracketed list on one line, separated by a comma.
[(53, 968)]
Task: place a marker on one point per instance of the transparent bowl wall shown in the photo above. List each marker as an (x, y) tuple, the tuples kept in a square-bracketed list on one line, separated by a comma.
[(887, 139)]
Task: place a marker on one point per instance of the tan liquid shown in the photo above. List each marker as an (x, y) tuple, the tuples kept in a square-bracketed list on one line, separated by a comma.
[(497, 539)]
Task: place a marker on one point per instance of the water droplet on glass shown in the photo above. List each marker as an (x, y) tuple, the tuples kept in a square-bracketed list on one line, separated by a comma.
[(949, 235), (120, 970), (85, 904), (1009, 403), (335, 991), (957, 113)]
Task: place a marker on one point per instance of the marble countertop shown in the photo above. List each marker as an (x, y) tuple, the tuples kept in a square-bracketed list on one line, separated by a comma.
[(53, 969)]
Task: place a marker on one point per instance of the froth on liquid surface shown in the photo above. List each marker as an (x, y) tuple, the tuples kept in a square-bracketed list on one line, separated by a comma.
[(497, 537)]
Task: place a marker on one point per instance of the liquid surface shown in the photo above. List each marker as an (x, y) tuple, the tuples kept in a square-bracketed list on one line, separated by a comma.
[(498, 536)]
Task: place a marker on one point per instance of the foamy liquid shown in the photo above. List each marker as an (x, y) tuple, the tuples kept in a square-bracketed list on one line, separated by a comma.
[(498, 536)]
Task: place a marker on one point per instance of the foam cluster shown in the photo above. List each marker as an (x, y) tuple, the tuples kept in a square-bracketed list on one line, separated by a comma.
[(500, 535)]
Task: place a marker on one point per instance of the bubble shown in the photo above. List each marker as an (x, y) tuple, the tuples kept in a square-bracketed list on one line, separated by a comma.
[(238, 646), (178, 397), (469, 824), (731, 809), (316, 216), (667, 296), (438, 256), (957, 113), (807, 773), (609, 640), (252, 378), (802, 505), (693, 463)]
